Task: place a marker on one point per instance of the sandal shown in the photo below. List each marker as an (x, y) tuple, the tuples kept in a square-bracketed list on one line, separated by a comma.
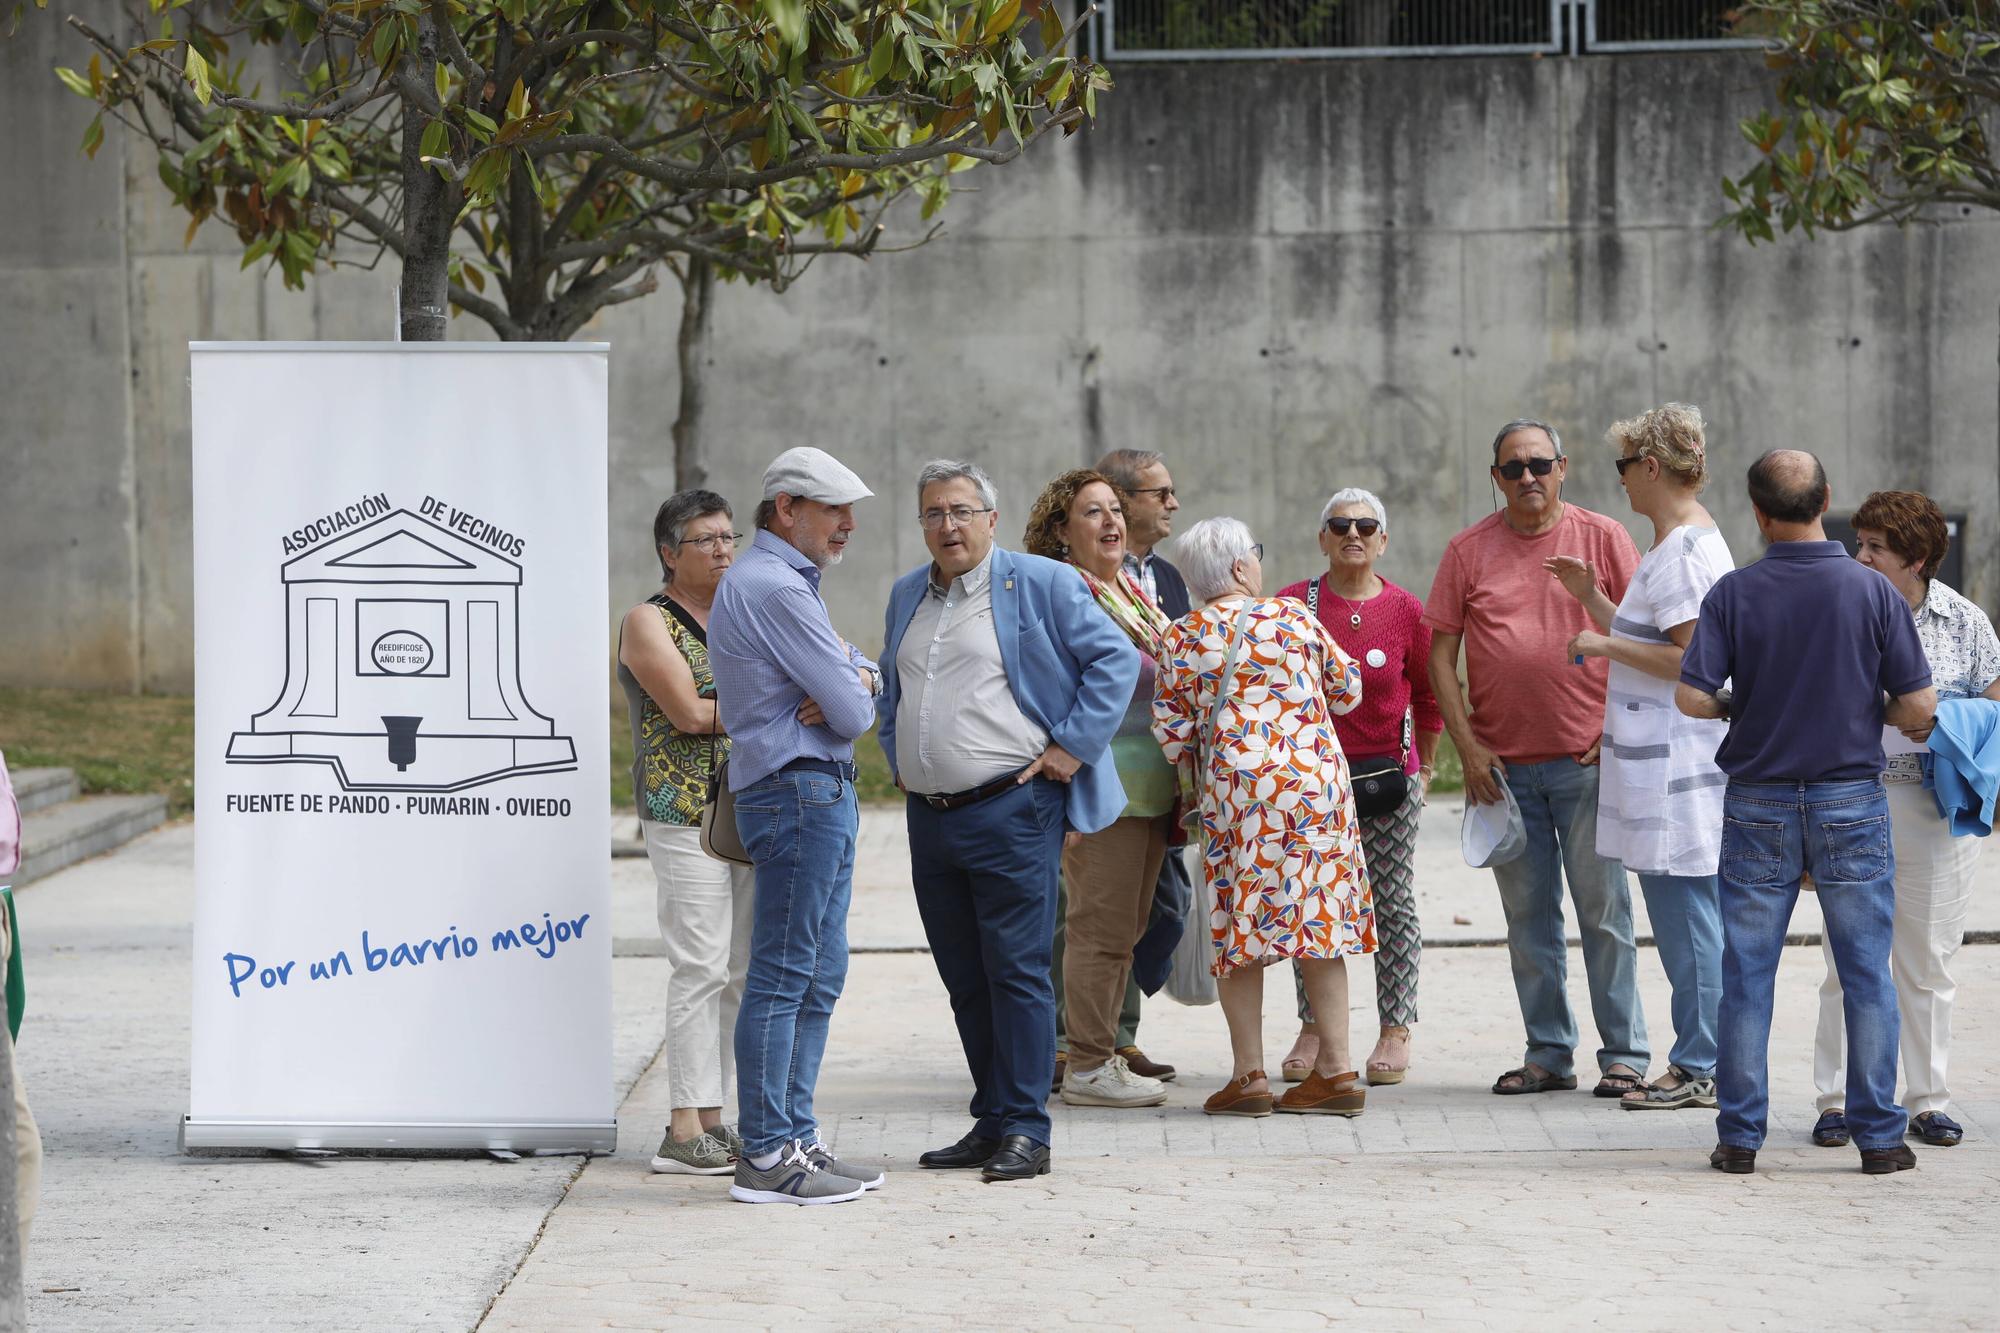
[(1526, 1079), (1617, 1085), (1235, 1097), (1387, 1071), (1686, 1090), (1299, 1061), (1937, 1129)]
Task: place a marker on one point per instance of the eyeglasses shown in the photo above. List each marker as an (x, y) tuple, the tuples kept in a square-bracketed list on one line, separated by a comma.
[(1367, 527), (960, 516), (1623, 463), (1257, 549), (707, 545), (1541, 467), (1164, 492)]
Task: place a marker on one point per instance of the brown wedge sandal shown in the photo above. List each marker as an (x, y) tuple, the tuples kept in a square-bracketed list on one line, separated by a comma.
[(1235, 1097)]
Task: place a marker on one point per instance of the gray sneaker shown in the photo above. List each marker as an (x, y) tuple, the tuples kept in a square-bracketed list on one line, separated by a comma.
[(731, 1139), (702, 1155), (871, 1178), (793, 1178)]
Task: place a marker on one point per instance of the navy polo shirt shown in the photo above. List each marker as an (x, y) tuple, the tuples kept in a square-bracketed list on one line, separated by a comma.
[(1809, 641)]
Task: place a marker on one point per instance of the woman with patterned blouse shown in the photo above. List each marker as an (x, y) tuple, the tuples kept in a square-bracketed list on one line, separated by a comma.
[(1248, 689), (1903, 535), (1109, 875), (704, 904)]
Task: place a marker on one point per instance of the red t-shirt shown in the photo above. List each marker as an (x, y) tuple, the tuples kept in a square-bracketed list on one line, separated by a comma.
[(1530, 703), (1392, 625)]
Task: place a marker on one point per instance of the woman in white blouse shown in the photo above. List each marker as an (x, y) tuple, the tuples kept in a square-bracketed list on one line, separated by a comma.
[(1659, 807), (1903, 535)]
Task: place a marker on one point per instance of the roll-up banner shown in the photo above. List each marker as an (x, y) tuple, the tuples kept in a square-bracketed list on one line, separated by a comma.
[(402, 932)]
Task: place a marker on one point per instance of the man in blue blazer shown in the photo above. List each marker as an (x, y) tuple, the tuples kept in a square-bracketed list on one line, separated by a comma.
[(1002, 683)]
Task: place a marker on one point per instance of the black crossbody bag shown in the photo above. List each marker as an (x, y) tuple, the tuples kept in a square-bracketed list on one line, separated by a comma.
[(1380, 785)]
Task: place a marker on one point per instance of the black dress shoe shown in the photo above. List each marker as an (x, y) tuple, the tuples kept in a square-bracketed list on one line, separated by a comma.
[(1733, 1161), (1881, 1161), (972, 1150), (1019, 1158)]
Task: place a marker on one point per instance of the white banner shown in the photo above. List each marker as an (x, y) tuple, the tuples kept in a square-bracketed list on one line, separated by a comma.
[(402, 928)]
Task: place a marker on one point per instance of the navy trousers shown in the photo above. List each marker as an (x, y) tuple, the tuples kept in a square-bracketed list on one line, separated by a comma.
[(985, 879)]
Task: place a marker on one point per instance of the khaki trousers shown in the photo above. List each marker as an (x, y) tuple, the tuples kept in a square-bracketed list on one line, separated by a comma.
[(1110, 876)]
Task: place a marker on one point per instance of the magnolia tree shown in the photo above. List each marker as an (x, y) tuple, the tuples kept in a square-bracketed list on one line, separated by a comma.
[(530, 164), (1882, 113)]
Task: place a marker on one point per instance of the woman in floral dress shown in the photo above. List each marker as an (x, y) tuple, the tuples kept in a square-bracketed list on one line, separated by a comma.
[(1283, 859)]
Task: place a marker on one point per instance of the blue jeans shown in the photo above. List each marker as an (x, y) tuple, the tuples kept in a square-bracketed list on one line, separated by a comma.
[(985, 878), (1772, 832), (799, 826), (1558, 801), (1686, 912)]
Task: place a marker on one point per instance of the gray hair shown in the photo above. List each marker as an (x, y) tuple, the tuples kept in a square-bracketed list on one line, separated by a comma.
[(1121, 467), (950, 469), (1207, 554), (1526, 423), (1354, 495), (680, 509)]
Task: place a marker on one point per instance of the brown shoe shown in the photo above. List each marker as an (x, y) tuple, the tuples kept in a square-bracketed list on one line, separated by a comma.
[(1062, 1064), (1136, 1061), (1235, 1097), (1319, 1095)]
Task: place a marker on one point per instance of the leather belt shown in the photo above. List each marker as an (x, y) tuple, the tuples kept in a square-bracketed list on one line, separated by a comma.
[(960, 799), (833, 768)]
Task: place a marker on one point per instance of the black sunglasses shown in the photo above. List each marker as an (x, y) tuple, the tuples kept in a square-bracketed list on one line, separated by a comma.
[(1368, 527), (1623, 463), (1541, 467)]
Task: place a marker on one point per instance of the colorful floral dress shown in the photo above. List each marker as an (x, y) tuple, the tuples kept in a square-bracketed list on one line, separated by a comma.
[(1283, 857)]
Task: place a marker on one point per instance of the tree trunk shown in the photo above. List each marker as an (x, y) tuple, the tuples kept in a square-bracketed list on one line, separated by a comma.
[(697, 293), (430, 207)]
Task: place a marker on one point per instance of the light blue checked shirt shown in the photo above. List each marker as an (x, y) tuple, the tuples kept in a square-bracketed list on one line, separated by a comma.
[(772, 647)]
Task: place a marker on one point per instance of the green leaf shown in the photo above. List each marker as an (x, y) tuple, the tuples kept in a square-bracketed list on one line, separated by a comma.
[(93, 136), (75, 82), (479, 120), (1002, 18), (435, 139), (776, 142), (443, 83), (198, 74), (517, 101), (788, 17), (880, 61), (1052, 27)]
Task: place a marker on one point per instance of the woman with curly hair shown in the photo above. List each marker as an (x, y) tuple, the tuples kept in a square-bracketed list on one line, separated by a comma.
[(1902, 534), (1108, 876)]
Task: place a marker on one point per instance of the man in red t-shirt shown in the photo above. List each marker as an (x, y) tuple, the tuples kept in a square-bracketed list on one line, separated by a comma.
[(1537, 720)]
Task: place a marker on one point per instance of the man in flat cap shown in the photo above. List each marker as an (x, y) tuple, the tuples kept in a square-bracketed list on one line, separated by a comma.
[(793, 696)]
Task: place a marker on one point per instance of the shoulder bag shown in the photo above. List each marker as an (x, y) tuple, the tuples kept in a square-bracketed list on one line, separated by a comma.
[(719, 837), (1380, 785)]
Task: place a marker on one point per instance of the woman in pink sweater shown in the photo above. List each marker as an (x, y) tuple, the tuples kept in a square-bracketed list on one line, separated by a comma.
[(1394, 732)]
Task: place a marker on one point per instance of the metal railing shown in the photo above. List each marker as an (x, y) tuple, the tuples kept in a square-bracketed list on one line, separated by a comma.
[(1318, 29), (1665, 25)]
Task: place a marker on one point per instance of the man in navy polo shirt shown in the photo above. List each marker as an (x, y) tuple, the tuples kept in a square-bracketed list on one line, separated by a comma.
[(1821, 654)]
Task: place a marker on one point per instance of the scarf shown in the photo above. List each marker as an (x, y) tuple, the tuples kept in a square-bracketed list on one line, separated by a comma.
[(1130, 609)]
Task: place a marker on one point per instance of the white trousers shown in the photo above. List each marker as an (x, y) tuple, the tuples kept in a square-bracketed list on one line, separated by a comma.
[(27, 1136), (704, 908), (1933, 894)]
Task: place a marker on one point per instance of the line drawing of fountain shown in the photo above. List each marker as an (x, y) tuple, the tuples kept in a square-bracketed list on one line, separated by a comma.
[(403, 666)]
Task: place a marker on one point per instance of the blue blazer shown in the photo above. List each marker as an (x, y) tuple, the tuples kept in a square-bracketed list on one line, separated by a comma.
[(1072, 670)]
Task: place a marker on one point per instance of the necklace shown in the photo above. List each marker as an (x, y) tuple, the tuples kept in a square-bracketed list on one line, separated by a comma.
[(1353, 610)]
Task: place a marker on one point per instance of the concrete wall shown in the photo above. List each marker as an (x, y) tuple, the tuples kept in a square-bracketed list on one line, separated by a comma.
[(1290, 277)]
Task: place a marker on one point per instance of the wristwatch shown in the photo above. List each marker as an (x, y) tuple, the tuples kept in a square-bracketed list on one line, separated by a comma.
[(874, 682)]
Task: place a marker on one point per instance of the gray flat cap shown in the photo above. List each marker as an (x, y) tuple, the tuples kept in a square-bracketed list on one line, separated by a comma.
[(813, 474)]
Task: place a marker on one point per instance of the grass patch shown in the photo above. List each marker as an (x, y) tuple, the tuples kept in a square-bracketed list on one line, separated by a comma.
[(127, 743)]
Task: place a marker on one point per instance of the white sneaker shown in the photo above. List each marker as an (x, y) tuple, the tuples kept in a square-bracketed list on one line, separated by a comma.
[(1112, 1084)]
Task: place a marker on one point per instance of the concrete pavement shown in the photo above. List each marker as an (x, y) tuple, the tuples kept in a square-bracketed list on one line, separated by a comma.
[(1441, 1206)]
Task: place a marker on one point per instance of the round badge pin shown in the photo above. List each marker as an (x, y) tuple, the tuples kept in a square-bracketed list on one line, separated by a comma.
[(1377, 658)]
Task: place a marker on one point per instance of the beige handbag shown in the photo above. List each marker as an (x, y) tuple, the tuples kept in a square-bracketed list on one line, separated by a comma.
[(719, 837)]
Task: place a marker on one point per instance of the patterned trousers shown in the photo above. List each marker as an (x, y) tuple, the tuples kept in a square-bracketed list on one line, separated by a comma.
[(1389, 847)]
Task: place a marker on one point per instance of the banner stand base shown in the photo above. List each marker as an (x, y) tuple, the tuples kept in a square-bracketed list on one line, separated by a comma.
[(422, 1136)]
